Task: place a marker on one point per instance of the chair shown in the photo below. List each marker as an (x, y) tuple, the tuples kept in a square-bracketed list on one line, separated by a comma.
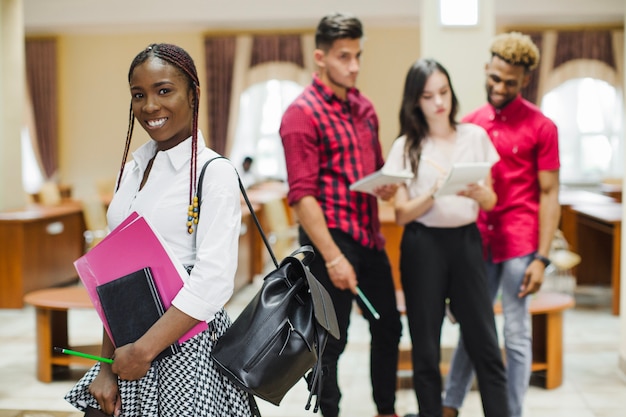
[(563, 261), (51, 322), (612, 187), (282, 233), (105, 188), (95, 217), (49, 194)]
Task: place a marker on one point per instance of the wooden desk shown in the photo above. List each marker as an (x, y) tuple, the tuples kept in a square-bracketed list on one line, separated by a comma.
[(569, 198), (251, 249), (572, 197), (38, 246), (393, 236), (612, 189), (597, 239), (51, 307), (258, 195)]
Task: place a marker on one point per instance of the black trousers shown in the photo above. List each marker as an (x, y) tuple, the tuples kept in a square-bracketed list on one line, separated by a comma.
[(373, 272), (440, 263)]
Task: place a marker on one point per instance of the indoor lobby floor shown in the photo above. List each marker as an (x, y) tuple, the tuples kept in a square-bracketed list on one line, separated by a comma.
[(592, 387)]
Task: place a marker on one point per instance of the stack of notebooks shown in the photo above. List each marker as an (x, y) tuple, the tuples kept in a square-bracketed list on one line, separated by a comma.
[(132, 277)]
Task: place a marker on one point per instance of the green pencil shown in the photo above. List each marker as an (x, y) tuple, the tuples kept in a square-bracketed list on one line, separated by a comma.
[(82, 355)]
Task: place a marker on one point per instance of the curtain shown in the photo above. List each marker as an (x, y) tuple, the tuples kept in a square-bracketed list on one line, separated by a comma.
[(584, 44), (41, 75), (32, 168), (567, 54), (276, 48), (220, 55), (219, 61), (243, 55), (530, 92)]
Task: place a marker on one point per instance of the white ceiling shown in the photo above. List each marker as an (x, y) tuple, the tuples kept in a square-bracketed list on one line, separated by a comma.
[(96, 16)]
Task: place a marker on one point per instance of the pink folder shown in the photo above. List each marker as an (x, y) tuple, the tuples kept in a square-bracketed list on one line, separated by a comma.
[(131, 246)]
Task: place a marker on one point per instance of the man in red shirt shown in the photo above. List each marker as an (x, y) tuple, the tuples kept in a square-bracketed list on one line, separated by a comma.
[(330, 137), (518, 232)]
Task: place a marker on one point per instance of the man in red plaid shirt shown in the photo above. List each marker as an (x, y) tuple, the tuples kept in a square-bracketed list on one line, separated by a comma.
[(330, 137)]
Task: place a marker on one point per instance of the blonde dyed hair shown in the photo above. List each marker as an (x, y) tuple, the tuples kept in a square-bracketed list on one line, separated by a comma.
[(516, 49)]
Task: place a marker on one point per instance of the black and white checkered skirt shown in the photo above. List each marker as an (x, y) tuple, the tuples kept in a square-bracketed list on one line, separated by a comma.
[(183, 385)]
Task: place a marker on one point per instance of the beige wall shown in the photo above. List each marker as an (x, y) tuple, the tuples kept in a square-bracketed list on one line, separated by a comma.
[(94, 98), (94, 102), (461, 50), (387, 55), (11, 103)]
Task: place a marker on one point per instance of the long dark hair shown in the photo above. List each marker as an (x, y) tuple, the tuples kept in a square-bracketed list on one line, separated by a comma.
[(178, 57), (413, 124)]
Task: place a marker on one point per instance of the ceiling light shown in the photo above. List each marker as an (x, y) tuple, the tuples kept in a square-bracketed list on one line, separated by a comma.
[(458, 12)]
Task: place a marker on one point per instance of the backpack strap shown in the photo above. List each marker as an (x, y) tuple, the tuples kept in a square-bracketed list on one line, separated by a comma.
[(201, 180), (245, 196), (325, 319)]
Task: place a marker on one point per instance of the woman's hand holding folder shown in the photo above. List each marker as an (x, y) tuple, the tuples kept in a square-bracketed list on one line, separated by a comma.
[(132, 361)]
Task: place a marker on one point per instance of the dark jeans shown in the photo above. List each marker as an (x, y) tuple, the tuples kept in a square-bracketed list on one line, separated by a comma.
[(375, 281), (440, 263)]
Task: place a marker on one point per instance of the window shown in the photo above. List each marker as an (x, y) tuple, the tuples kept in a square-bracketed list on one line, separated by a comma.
[(32, 178), (589, 115), (261, 108)]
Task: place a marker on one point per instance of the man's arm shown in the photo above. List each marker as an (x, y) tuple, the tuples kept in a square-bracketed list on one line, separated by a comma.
[(312, 220), (549, 216), (549, 209)]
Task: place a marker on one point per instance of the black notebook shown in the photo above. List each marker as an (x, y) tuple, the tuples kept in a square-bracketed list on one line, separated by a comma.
[(131, 305)]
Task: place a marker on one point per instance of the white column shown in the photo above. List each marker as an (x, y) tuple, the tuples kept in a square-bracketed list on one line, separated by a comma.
[(622, 344), (463, 51), (12, 74)]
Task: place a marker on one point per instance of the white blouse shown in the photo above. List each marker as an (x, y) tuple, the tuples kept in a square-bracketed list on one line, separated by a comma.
[(164, 201), (472, 145)]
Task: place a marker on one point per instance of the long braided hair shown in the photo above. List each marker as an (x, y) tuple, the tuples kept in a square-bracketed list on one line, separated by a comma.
[(179, 58)]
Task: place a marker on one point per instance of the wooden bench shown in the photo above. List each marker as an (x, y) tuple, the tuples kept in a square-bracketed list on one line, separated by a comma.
[(51, 307), (546, 310)]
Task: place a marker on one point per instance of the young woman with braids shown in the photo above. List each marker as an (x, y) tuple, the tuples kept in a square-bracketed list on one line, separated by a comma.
[(160, 184), (441, 251)]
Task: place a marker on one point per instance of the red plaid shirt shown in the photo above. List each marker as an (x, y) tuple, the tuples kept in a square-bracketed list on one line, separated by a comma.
[(329, 144)]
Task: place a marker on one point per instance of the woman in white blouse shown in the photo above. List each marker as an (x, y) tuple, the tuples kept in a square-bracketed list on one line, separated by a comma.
[(441, 251), (160, 183)]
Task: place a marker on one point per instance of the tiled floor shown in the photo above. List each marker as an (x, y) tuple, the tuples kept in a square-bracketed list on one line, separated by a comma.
[(592, 384)]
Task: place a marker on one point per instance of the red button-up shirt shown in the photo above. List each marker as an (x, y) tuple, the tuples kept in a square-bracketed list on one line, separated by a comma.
[(329, 144), (527, 142)]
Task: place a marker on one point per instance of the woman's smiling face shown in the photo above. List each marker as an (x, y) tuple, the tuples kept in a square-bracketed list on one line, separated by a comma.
[(162, 102)]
